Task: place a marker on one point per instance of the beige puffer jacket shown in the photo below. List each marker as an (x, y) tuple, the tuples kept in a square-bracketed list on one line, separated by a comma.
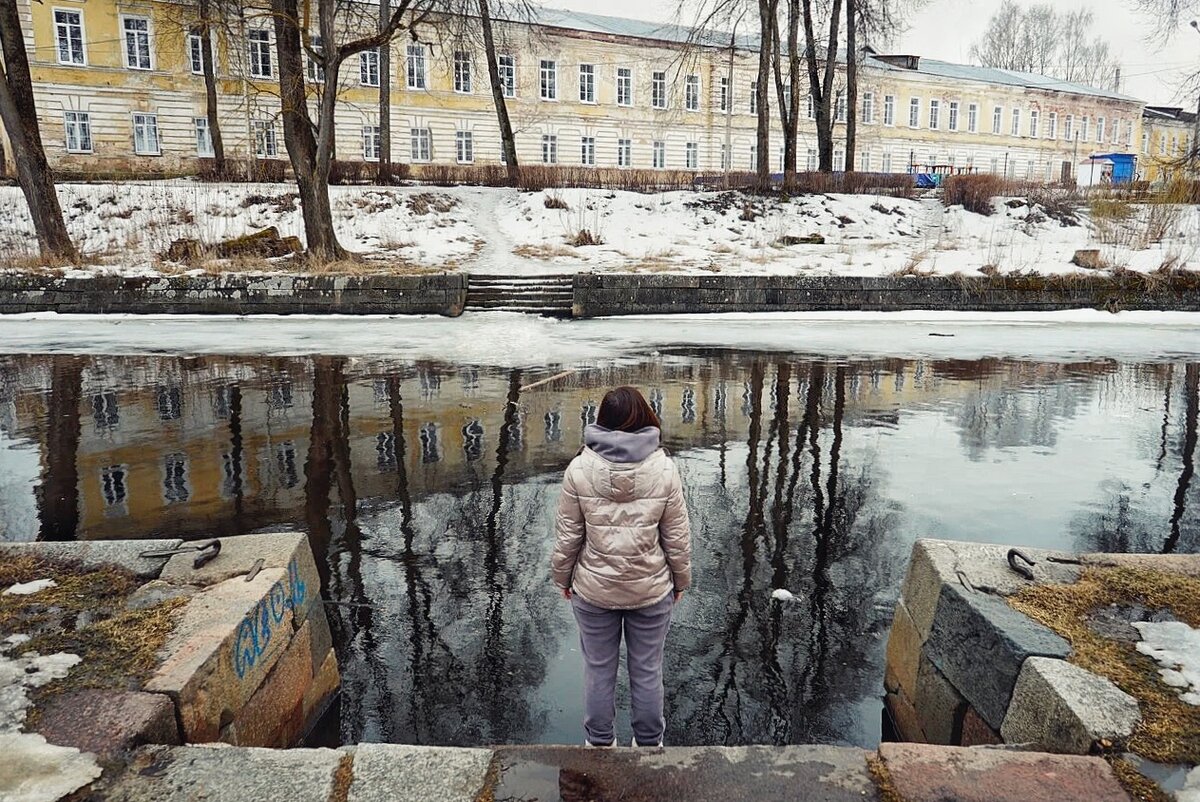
[(622, 536)]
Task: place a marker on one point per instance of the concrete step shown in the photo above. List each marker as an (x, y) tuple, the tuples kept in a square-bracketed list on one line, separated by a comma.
[(475, 296)]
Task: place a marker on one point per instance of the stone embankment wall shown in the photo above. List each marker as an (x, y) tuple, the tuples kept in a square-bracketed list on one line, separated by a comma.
[(235, 294), (250, 661), (599, 295), (966, 668)]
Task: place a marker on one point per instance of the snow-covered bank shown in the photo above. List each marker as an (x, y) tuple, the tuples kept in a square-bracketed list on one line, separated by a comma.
[(126, 227), (516, 340)]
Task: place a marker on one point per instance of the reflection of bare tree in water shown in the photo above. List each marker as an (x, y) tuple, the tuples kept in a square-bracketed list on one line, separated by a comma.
[(58, 494), (764, 671), (1187, 457)]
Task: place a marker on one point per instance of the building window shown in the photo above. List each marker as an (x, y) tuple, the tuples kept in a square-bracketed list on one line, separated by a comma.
[(368, 68), (587, 151), (79, 131), (693, 156), (1145, 142), (1100, 130), (973, 117), (204, 143), (1033, 123), (754, 157), (1116, 129), (658, 90), (839, 158), (779, 154), (113, 485), (145, 135), (868, 107), (587, 83), (839, 106), (997, 120), (914, 112), (691, 93), (260, 52), (723, 99), (175, 479), (624, 152), (316, 61), (952, 123), (934, 114), (1016, 122), (754, 97), (136, 31), (658, 151), (508, 75), (889, 109), (811, 163), (549, 149), (549, 80), (464, 147), (415, 63), (624, 86), (422, 144), (68, 36), (887, 162), (196, 53), (370, 139), (864, 161), (462, 72), (1052, 125), (724, 156), (265, 146), (1069, 127)]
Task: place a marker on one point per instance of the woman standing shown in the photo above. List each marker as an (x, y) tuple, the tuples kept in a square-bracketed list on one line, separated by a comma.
[(622, 557)]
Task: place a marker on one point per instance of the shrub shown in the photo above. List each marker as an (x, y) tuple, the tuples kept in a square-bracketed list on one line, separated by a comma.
[(974, 192), (555, 201)]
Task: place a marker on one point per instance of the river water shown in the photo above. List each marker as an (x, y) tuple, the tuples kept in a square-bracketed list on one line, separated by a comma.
[(427, 491)]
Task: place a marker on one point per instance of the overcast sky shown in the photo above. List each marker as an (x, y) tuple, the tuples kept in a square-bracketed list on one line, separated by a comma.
[(945, 29)]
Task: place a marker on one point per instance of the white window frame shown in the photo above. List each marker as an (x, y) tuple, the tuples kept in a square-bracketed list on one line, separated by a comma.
[(266, 144), (624, 152), (82, 125), (464, 147), (724, 95), (587, 151), (314, 71), (59, 27), (914, 112), (371, 143), (889, 110), (548, 80), (1069, 127), (754, 97), (549, 148), (368, 67), (148, 34), (935, 114), (587, 84), (658, 89), (691, 93), (868, 108), (624, 86), (998, 120), (259, 48), (952, 116), (204, 151), (1084, 128), (691, 157), (196, 48), (416, 71), (972, 118), (658, 154), (147, 121), (886, 164), (507, 65), (839, 106), (463, 79), (420, 145), (1035, 119), (1052, 125), (1015, 130)]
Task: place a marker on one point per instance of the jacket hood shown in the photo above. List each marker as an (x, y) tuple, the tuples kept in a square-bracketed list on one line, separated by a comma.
[(618, 446), (621, 464)]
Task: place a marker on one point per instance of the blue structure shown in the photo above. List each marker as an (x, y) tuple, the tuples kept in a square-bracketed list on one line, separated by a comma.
[(1124, 166)]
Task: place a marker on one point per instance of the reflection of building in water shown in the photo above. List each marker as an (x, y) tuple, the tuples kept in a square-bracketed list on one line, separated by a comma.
[(220, 444)]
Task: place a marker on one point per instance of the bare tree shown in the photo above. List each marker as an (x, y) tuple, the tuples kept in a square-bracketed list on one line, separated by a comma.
[(767, 11), (820, 77), (310, 144), (385, 97), (851, 82), (508, 143), (1044, 40), (210, 13), (18, 111), (789, 93)]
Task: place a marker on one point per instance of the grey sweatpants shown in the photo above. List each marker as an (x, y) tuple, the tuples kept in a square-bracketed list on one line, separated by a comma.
[(645, 633)]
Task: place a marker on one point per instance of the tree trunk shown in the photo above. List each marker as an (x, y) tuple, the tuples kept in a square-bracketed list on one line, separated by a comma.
[(851, 82), (507, 143), (788, 121), (822, 86), (385, 98), (204, 8), (18, 112), (58, 495), (310, 159), (766, 12)]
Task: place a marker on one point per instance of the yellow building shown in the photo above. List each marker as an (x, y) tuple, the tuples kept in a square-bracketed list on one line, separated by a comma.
[(119, 90), (1168, 137)]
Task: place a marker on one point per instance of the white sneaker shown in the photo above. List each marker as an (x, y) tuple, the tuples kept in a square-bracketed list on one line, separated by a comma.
[(589, 745), (635, 744)]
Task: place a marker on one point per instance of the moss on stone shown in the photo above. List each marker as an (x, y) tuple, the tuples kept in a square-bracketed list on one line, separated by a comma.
[(883, 779), (1169, 731)]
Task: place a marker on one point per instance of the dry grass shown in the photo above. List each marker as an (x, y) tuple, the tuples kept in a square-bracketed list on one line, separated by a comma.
[(1169, 731), (119, 647), (585, 237), (1136, 784), (539, 251), (883, 779), (974, 192)]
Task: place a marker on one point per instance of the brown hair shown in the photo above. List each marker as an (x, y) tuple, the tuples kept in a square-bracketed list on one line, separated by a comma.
[(625, 408)]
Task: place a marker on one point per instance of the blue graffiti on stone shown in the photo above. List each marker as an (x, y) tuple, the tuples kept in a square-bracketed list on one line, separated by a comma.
[(255, 632)]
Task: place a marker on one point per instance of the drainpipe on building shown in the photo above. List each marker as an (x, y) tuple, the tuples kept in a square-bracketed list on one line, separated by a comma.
[(728, 165), (250, 145), (1075, 158)]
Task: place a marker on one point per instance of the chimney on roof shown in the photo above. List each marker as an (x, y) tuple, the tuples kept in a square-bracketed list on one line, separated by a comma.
[(1117, 80), (906, 61)]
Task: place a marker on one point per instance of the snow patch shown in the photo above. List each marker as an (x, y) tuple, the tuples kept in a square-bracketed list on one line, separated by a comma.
[(19, 674), (32, 770), (783, 595), (29, 588), (1175, 646)]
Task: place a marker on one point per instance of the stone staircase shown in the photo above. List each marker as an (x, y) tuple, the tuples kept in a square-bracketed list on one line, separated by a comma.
[(551, 295)]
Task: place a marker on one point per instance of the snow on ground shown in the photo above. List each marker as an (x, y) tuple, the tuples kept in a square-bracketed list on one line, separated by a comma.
[(502, 339), (1175, 646), (32, 770), (30, 588), (19, 674), (126, 227)]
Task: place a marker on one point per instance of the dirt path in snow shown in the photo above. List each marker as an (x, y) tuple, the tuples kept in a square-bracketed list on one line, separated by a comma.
[(496, 254)]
